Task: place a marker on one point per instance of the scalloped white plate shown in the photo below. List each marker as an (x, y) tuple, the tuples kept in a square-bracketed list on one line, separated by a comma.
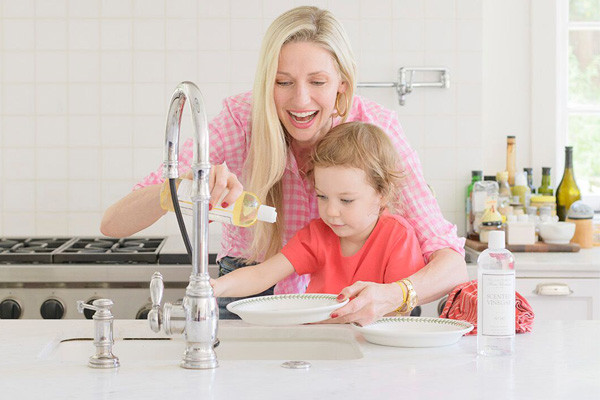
[(414, 331), (286, 309)]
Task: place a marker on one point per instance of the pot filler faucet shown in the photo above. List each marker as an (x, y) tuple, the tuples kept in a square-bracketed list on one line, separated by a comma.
[(197, 317)]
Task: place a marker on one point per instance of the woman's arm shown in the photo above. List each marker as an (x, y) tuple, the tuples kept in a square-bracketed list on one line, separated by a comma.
[(253, 279), (371, 301)]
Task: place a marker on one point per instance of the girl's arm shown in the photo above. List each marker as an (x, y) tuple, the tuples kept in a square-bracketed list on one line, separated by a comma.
[(253, 279)]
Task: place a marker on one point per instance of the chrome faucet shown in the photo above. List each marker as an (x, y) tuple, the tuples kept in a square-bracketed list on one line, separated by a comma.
[(103, 333), (197, 317)]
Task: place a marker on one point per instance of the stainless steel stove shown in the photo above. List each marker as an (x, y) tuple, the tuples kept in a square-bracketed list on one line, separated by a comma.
[(43, 277)]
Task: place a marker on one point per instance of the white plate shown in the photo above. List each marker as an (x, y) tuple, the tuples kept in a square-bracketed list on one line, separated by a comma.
[(286, 309), (414, 331)]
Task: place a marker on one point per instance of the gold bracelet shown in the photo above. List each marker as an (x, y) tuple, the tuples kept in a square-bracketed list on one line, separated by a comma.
[(412, 299), (398, 310)]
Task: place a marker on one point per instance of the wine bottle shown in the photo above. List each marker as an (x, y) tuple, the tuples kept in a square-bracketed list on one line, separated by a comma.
[(567, 191), (545, 188)]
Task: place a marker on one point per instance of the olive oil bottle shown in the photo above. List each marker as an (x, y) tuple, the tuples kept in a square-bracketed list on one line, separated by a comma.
[(567, 191)]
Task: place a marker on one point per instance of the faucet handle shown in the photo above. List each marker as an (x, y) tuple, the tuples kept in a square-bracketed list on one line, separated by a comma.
[(157, 287)]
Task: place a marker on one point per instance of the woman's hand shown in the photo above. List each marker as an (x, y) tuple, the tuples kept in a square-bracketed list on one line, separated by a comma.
[(368, 302), (222, 182)]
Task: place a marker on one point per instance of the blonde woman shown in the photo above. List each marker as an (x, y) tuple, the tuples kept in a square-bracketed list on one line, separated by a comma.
[(304, 85)]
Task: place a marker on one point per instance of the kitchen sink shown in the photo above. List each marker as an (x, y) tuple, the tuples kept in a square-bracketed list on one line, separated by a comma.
[(235, 343)]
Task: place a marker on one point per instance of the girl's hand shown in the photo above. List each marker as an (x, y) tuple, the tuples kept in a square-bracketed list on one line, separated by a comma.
[(215, 285), (368, 302)]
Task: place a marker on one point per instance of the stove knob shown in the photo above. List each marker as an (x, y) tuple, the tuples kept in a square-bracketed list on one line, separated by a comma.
[(52, 309), (10, 309), (143, 312), (89, 314)]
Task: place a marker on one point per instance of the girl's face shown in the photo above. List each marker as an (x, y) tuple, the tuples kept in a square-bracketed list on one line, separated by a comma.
[(306, 86), (348, 204)]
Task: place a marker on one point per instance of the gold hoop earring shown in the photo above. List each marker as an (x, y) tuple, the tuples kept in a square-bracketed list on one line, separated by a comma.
[(337, 104)]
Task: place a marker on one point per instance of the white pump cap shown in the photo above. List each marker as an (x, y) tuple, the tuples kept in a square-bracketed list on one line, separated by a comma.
[(521, 179), (267, 214), (496, 240)]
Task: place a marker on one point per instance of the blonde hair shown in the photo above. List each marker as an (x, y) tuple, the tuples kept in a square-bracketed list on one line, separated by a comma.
[(366, 147), (267, 157)]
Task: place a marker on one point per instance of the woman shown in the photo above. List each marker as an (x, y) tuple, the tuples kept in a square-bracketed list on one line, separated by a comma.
[(304, 86)]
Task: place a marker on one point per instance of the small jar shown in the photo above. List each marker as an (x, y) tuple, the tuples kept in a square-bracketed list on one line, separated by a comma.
[(544, 201), (485, 229)]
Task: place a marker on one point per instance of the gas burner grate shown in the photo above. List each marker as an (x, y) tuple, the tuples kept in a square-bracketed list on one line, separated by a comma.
[(30, 250), (107, 251)]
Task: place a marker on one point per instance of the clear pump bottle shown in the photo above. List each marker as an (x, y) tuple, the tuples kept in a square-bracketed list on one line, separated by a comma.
[(496, 298), (244, 212)]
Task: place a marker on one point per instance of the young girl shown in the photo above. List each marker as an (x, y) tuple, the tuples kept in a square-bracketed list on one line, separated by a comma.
[(354, 169)]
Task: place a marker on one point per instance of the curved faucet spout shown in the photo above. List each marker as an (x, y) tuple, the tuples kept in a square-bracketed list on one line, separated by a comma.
[(199, 304)]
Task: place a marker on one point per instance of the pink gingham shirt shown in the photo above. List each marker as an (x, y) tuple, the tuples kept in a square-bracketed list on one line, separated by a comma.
[(230, 141)]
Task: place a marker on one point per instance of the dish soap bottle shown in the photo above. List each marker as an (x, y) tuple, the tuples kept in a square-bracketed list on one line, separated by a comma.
[(244, 212), (495, 298)]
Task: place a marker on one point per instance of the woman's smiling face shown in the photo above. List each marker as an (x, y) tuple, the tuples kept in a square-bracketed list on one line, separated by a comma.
[(306, 86)]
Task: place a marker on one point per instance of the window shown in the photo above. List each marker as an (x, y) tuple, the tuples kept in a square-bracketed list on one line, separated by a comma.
[(583, 100)]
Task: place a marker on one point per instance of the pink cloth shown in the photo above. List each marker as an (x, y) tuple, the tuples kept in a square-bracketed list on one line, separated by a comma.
[(390, 253), (462, 304), (230, 140)]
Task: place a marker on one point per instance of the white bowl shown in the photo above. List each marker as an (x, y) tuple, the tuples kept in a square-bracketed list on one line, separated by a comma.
[(557, 232)]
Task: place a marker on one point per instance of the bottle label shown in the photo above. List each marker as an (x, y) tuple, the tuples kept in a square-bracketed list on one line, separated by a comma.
[(497, 291)]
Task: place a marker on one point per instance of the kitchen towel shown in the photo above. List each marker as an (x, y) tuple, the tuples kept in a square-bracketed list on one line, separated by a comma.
[(462, 304)]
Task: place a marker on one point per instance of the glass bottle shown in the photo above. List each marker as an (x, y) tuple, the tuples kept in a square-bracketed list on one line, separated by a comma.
[(244, 212), (521, 189), (504, 192), (567, 191), (545, 189), (511, 158), (476, 176), (529, 172), (496, 298)]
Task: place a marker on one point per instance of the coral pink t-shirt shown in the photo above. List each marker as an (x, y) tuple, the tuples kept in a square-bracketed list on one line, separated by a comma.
[(391, 252)]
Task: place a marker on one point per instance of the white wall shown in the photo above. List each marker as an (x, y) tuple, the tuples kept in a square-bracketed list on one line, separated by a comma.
[(85, 86)]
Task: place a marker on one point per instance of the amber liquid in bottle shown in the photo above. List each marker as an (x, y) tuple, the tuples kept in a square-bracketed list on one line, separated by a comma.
[(567, 191), (511, 159)]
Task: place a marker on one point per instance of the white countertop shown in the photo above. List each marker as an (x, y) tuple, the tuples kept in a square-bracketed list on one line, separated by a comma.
[(558, 360)]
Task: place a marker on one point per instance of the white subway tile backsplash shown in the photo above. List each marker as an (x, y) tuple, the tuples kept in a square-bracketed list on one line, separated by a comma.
[(84, 195), (245, 8), (51, 223), (243, 66), (469, 35), (51, 99), (149, 66), (84, 66), (246, 34), (116, 8), (52, 163), (116, 34), (214, 66), (181, 34), (51, 34), (18, 132), (52, 196), (84, 223), (51, 131), (469, 9), (51, 66), (182, 8), (19, 223), (84, 34), (117, 163), (181, 66), (440, 131), (149, 8), (344, 9), (440, 35), (440, 9), (213, 34), (408, 34), (438, 163), (116, 66), (468, 99), (146, 160), (113, 190), (149, 99), (18, 99), (468, 131), (376, 35), (408, 9), (21, 160), (84, 131), (18, 8), (274, 8), (18, 34), (83, 9), (149, 130), (18, 66), (84, 98), (213, 9), (18, 195), (116, 131), (149, 34), (84, 164), (116, 98), (375, 9)]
